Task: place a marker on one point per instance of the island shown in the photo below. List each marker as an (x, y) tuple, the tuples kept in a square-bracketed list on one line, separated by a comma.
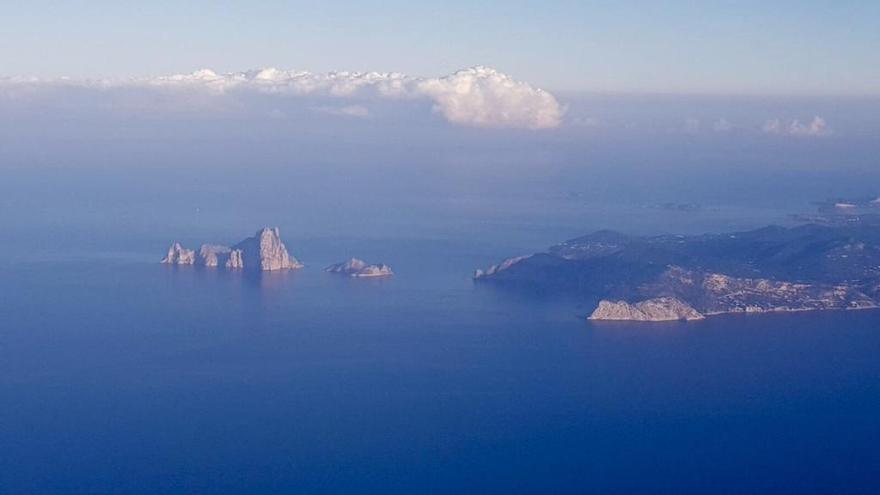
[(674, 277), (263, 251), (360, 269)]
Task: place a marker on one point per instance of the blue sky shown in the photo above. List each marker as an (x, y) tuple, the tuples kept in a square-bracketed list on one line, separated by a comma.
[(779, 47)]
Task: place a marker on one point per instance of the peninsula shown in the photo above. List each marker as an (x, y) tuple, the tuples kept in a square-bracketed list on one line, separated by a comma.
[(674, 277)]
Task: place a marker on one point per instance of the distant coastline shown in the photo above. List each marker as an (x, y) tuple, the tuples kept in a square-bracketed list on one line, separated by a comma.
[(671, 277)]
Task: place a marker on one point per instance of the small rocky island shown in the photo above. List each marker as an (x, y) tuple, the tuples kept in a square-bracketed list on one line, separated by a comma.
[(657, 309), (673, 277), (359, 268), (264, 251)]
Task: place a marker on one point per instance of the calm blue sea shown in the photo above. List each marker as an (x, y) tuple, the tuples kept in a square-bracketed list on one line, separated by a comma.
[(121, 375)]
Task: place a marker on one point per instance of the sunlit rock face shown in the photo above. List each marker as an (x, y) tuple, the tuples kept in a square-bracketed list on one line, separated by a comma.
[(235, 260), (500, 267), (658, 309), (348, 267), (213, 255), (709, 294), (264, 251), (716, 293), (359, 268), (178, 255)]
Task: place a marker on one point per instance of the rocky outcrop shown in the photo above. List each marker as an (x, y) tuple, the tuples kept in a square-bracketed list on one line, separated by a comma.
[(212, 255), (359, 268), (657, 309), (500, 267), (178, 255), (379, 270), (235, 259), (264, 251)]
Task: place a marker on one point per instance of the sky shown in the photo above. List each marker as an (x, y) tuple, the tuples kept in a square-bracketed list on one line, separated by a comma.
[(785, 47), (715, 103), (507, 89)]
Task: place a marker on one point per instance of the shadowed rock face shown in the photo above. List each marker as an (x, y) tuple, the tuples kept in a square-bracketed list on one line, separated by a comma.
[(264, 251), (359, 268), (810, 267)]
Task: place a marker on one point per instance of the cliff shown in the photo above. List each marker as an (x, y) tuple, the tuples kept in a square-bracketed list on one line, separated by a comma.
[(178, 255), (500, 267), (658, 309), (266, 251)]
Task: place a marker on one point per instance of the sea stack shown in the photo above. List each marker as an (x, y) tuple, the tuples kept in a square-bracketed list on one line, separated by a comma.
[(266, 251), (263, 251), (178, 255)]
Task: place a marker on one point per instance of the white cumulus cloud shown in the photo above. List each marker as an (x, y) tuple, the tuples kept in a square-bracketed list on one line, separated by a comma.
[(479, 96), (485, 97)]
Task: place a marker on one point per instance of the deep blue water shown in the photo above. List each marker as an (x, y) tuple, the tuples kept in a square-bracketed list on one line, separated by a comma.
[(120, 375)]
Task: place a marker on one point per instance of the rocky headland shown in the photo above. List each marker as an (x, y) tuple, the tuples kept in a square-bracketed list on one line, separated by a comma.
[(672, 277)]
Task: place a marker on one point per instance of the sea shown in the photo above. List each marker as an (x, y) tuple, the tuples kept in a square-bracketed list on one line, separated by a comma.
[(120, 375)]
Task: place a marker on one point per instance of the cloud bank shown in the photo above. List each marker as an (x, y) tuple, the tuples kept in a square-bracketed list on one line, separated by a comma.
[(478, 96), (722, 125), (818, 127), (358, 111)]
